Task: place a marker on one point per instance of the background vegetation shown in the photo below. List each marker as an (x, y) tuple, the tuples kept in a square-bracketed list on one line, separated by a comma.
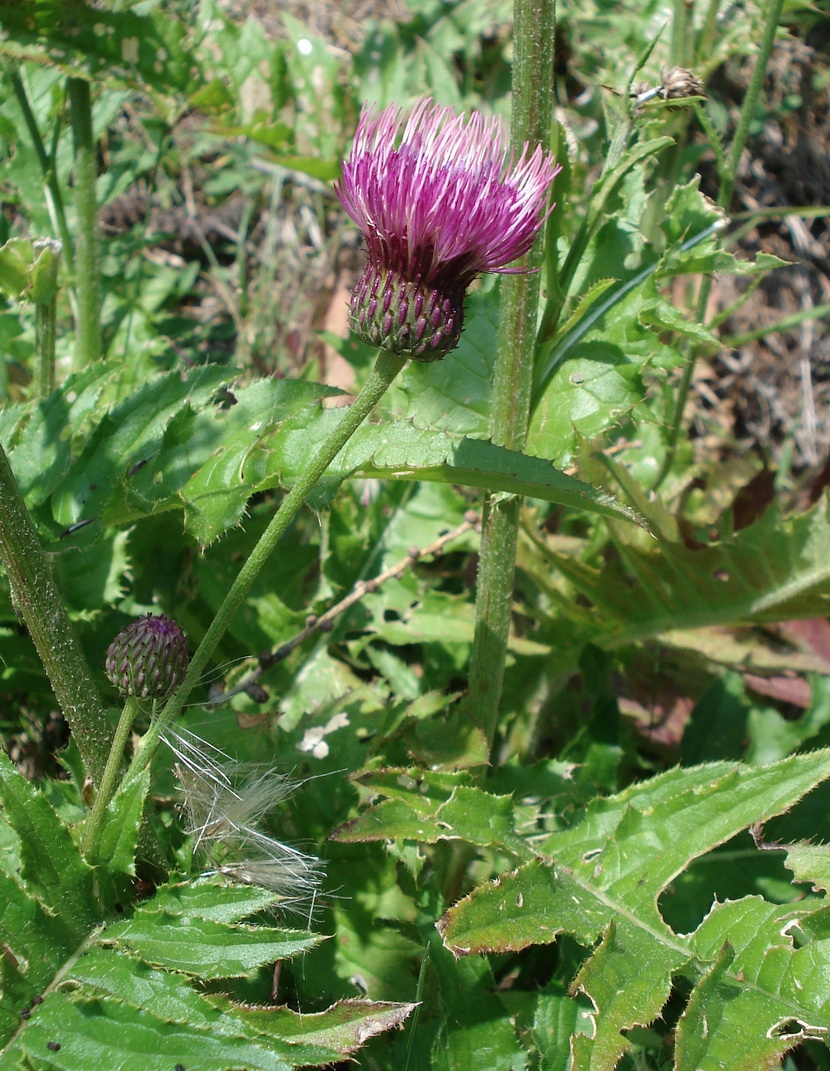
[(661, 874)]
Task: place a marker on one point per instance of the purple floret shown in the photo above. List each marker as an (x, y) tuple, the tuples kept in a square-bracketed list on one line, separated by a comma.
[(440, 199)]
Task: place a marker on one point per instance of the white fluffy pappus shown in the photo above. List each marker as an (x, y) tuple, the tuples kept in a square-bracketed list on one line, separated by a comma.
[(226, 802)]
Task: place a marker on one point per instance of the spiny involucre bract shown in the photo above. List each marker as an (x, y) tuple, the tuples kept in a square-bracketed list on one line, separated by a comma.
[(440, 199), (148, 658)]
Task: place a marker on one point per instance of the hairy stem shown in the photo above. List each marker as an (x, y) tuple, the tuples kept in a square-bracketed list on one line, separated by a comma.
[(534, 23), (387, 367), (88, 280), (109, 781), (38, 600), (45, 318)]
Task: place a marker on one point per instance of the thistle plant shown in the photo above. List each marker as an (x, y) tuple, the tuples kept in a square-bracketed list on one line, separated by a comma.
[(440, 199), (97, 972), (147, 660)]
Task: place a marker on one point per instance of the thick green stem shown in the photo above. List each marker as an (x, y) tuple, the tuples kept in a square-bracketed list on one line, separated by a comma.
[(109, 780), (88, 281), (727, 185), (494, 601), (45, 317), (387, 367), (38, 600), (533, 33)]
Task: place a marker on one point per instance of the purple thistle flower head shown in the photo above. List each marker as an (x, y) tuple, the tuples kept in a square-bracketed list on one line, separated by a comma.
[(440, 199)]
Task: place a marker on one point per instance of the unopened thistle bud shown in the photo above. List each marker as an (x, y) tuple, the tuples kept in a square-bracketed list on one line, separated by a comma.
[(440, 199), (148, 658)]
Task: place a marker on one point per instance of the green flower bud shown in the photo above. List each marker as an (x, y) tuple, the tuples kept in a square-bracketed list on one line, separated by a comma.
[(148, 658)]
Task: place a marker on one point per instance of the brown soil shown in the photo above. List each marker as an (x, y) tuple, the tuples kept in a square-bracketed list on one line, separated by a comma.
[(768, 395), (775, 391)]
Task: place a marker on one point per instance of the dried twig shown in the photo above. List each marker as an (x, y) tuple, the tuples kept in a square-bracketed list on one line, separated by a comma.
[(325, 622)]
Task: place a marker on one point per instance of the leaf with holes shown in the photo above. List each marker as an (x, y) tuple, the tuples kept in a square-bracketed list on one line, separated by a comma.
[(755, 991), (104, 993)]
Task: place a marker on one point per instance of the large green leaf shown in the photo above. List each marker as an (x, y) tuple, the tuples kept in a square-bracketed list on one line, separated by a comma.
[(389, 450), (758, 975), (179, 442), (39, 436), (210, 460), (82, 990), (416, 811), (204, 947), (37, 945), (405, 452), (101, 1032), (600, 882), (131, 435), (776, 569), (141, 45), (52, 866), (62, 451), (217, 903)]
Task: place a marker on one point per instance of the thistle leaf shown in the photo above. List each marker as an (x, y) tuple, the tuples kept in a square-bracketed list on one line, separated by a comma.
[(80, 990), (176, 444), (204, 948), (600, 882), (52, 866)]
